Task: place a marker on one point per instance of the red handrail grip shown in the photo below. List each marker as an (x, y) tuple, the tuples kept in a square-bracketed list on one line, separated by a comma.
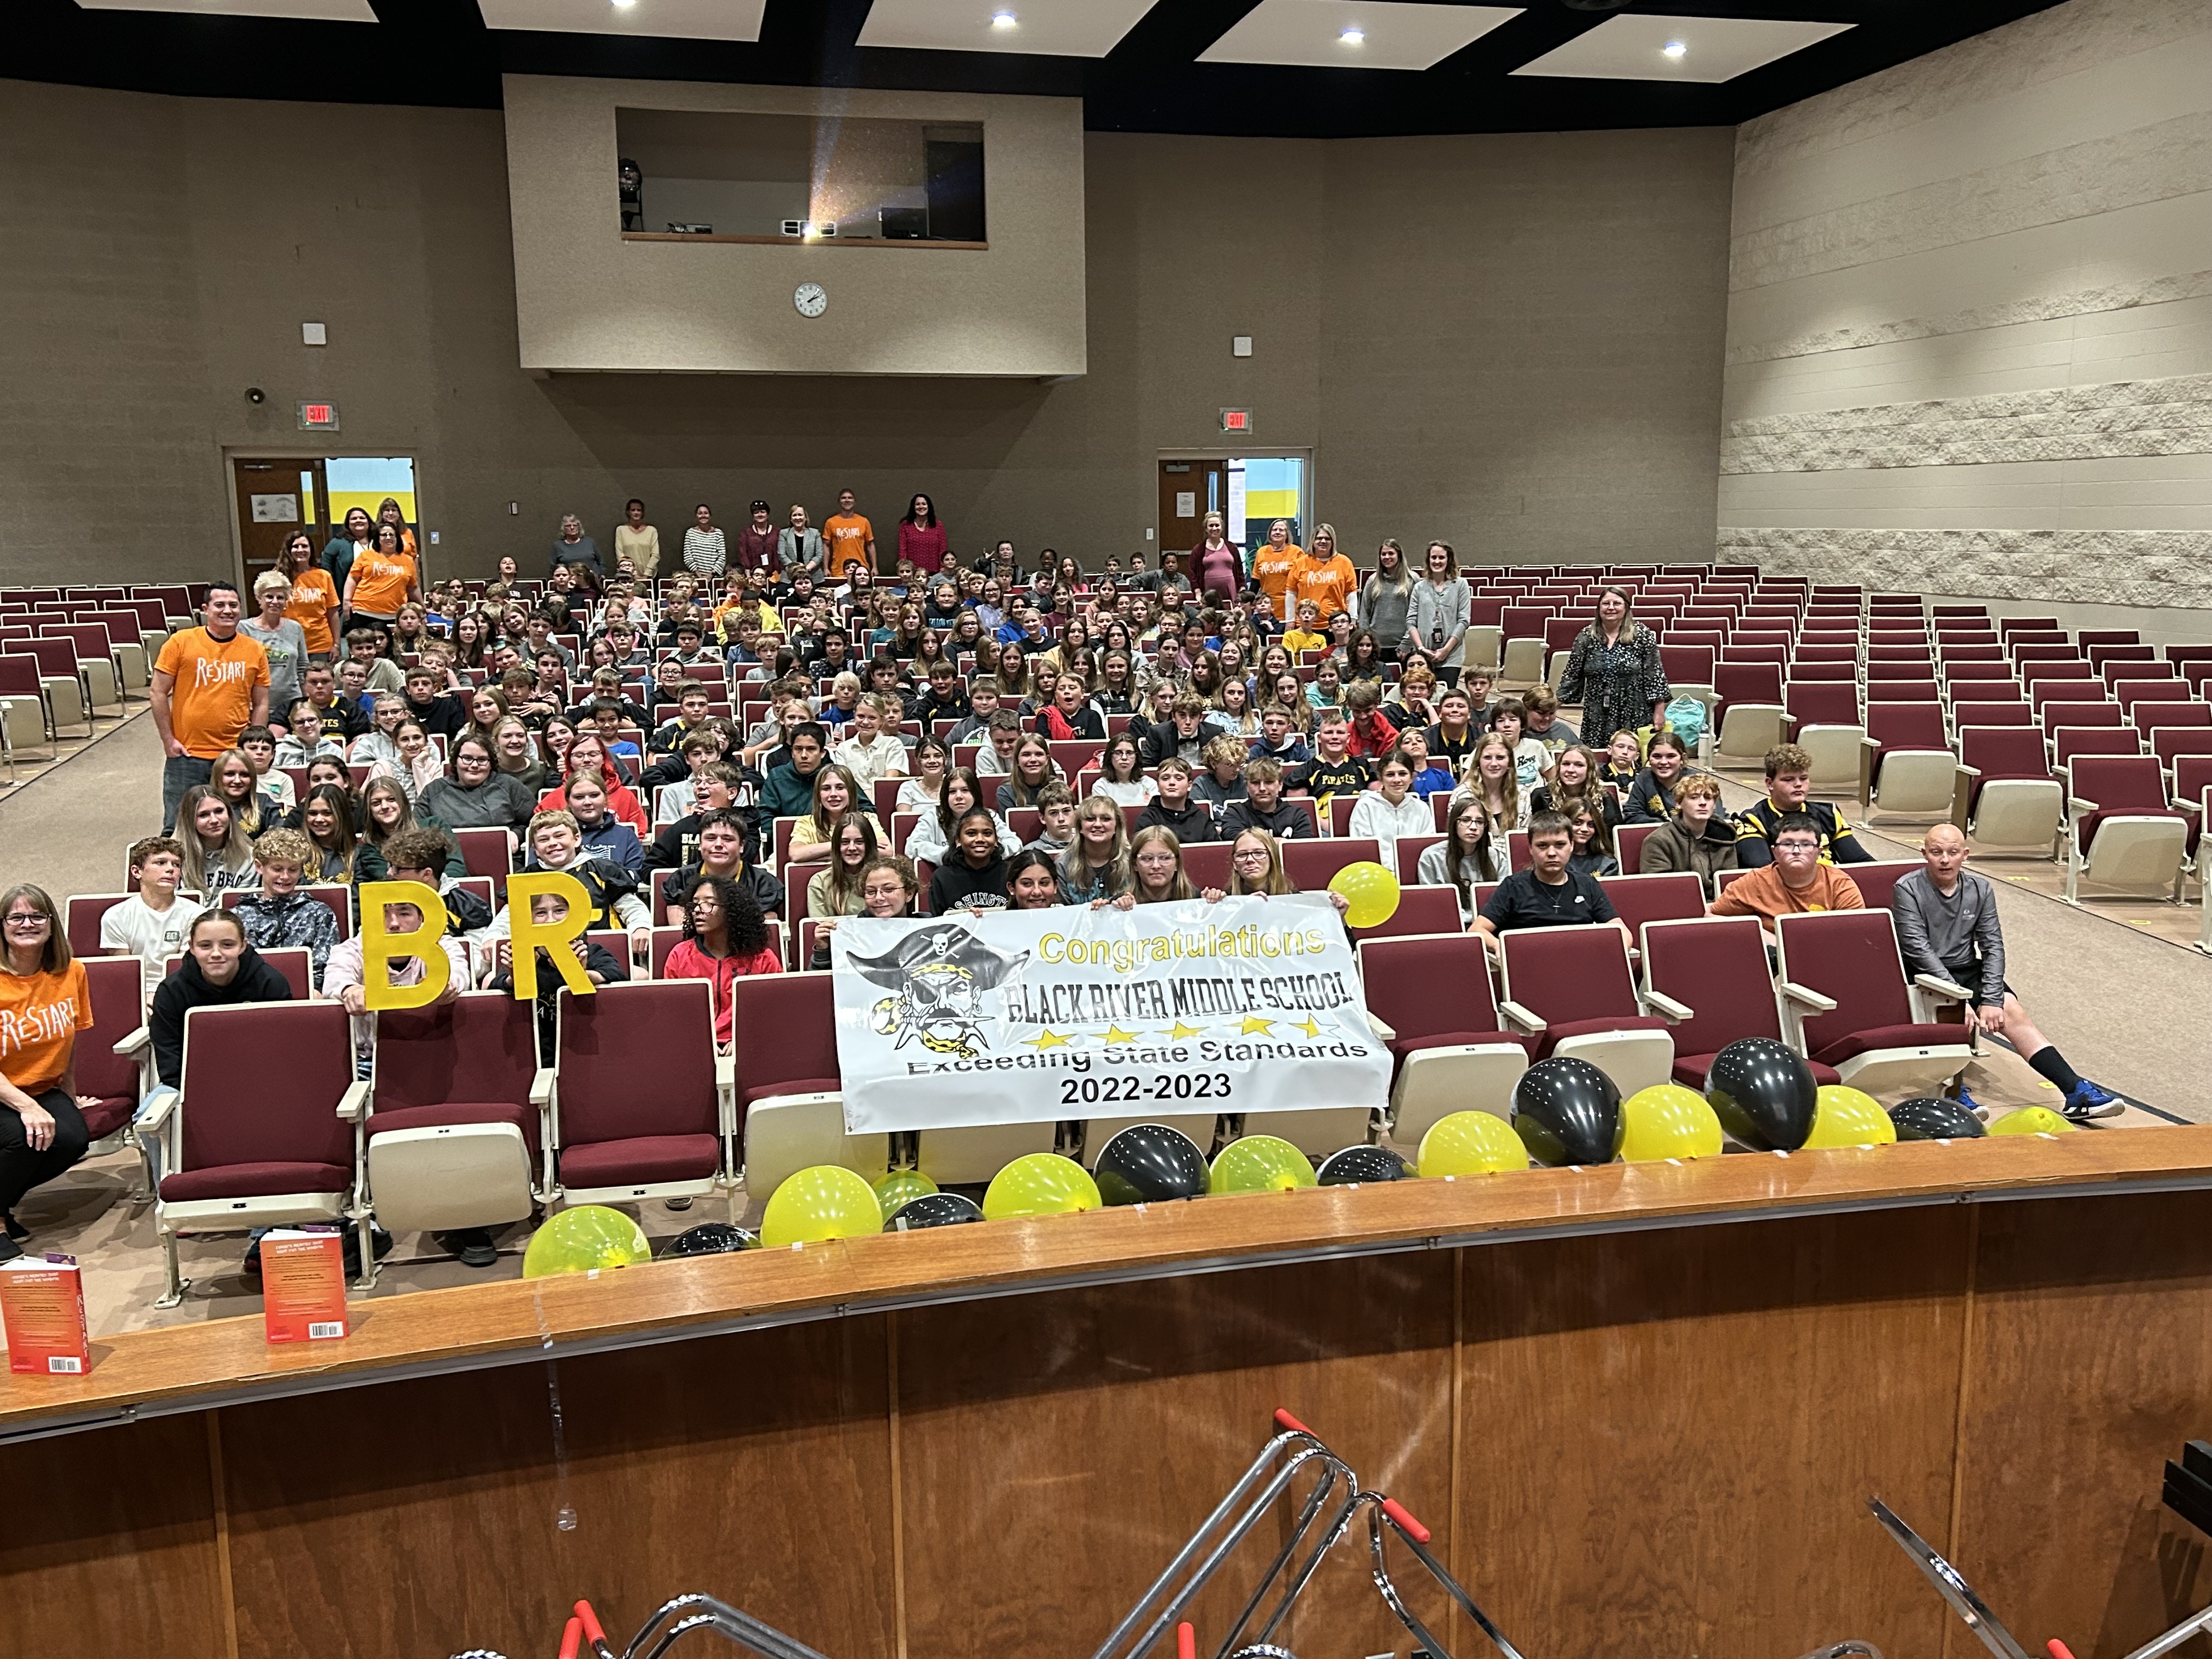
[(1399, 1513), (591, 1623), (572, 1639), (2059, 1650), (1284, 1420), (1186, 1642)]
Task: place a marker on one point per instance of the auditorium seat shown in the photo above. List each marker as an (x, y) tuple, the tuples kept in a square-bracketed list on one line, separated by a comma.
[(1665, 895), (1420, 910), (84, 914), (1572, 990), (1826, 723), (1449, 1053), (1907, 766), (1751, 712), (2012, 801), (640, 1102), (1874, 1027), (789, 1099), (108, 1061), (266, 1126), (456, 1127), (1711, 977), (1876, 881), (1309, 864), (26, 720), (2122, 830), (291, 961)]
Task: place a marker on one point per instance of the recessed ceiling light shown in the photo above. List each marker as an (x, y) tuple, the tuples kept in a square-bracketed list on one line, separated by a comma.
[(1353, 36), (1672, 49), (624, 5), (1002, 20)]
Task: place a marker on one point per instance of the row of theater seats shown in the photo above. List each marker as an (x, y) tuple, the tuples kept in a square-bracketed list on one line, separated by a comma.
[(69, 656), (457, 1125)]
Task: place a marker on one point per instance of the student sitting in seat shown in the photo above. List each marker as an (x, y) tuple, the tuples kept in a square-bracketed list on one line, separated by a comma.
[(1699, 837), (887, 889), (280, 914), (1789, 780), (1549, 894), (550, 910), (1796, 881), (152, 923), (1948, 924), (723, 939)]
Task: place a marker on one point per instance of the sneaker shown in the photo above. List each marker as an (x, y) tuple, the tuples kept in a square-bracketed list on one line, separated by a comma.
[(16, 1229), (1973, 1105), (2089, 1100), (9, 1250)]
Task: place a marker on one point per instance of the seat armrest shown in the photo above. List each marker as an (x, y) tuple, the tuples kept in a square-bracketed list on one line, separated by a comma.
[(1806, 997), (541, 1088), (2075, 803), (1382, 1033), (1936, 985), (137, 1043), (725, 1072), (353, 1104), (1526, 1019), (1668, 1008), (1966, 771), (1866, 741), (156, 1117)]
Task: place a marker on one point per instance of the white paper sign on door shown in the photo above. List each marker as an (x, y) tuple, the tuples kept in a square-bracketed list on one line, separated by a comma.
[(275, 509), (1186, 503)]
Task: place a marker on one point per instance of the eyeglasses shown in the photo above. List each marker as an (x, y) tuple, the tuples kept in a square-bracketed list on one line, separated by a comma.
[(1251, 854), (1799, 849), (30, 919)]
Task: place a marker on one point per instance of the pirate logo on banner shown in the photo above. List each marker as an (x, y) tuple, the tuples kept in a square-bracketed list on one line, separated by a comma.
[(938, 977)]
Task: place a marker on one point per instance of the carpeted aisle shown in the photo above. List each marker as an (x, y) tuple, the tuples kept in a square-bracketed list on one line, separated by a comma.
[(67, 829)]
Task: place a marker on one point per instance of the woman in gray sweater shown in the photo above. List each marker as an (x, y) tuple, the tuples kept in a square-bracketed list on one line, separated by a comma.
[(1437, 617), (1386, 597)]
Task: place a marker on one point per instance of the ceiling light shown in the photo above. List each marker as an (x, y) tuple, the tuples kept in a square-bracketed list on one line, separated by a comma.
[(1672, 49), (1352, 36), (624, 5), (1002, 20)]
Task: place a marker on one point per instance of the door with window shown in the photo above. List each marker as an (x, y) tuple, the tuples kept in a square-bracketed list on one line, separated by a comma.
[(1188, 491), (276, 498)]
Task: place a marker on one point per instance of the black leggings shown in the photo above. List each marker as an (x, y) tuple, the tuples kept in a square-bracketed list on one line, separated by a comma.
[(21, 1168)]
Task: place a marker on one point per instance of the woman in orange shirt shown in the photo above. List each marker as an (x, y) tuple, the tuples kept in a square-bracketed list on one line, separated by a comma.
[(1274, 563), (44, 1003), (314, 603), (389, 512), (384, 577), (1325, 576)]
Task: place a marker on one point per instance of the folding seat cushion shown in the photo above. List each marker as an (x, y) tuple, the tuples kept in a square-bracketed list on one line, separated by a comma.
[(641, 1161), (259, 1109), (1717, 968), (639, 1103)]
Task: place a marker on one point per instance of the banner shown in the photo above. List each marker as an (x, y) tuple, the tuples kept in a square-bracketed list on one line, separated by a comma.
[(1249, 1005)]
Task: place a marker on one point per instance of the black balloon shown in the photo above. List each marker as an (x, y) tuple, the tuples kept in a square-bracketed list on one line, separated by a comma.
[(933, 1210), (1930, 1118), (1356, 1164), (708, 1238), (1763, 1094), (1150, 1164), (1567, 1111)]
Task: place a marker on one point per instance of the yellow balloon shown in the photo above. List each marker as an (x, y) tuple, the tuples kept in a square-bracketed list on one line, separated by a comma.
[(901, 1187), (1370, 893), (578, 1241), (1260, 1163), (827, 1201), (1843, 1116), (2031, 1120), (1471, 1143), (1668, 1120), (1041, 1184)]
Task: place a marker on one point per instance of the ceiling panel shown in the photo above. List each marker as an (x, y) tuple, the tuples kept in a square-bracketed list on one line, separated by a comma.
[(1636, 47), (672, 20), (1054, 28), (1390, 34)]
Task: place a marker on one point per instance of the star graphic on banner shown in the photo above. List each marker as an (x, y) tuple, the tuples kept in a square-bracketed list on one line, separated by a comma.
[(1181, 1030), (1050, 1040), (1255, 1026), (1115, 1033), (1307, 1026)]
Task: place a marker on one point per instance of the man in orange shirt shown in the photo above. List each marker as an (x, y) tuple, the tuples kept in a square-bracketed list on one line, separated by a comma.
[(1275, 566), (1325, 575), (1795, 882), (209, 684), (851, 539)]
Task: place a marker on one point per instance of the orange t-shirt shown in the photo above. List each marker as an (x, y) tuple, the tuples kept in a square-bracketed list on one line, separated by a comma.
[(1764, 894), (1328, 583), (1272, 573), (380, 584), (314, 598), (212, 698), (848, 536), (40, 1015)]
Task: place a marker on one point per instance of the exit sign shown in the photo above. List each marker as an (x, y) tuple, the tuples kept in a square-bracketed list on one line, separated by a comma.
[(318, 418), (1236, 420)]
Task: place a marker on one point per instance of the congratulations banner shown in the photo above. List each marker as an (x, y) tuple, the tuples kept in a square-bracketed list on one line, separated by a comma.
[(1019, 1017)]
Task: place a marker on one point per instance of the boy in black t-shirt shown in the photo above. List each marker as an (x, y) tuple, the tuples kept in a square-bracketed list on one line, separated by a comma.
[(1332, 771), (1547, 894)]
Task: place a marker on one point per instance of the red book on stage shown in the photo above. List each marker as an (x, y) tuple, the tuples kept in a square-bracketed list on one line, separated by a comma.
[(303, 1286), (42, 1307)]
